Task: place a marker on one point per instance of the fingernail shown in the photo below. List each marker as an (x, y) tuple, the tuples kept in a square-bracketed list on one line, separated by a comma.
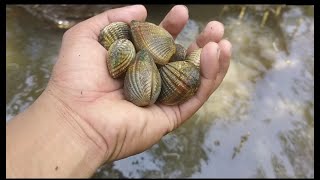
[(218, 53)]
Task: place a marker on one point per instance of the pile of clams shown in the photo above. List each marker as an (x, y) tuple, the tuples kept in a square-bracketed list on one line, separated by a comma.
[(153, 66)]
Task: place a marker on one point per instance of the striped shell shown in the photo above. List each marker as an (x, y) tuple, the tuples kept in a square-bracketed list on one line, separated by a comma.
[(142, 83), (194, 57), (113, 32), (120, 55), (156, 40), (180, 54), (180, 81)]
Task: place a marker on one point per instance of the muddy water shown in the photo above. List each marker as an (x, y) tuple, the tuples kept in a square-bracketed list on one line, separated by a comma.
[(259, 122)]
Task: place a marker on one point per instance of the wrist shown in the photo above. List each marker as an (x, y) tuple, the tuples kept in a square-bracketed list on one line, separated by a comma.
[(94, 148), (85, 134), (49, 139)]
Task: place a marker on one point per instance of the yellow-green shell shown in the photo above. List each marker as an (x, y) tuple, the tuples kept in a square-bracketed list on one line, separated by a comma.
[(180, 81), (194, 57), (113, 32), (155, 39), (142, 83), (120, 55), (180, 53)]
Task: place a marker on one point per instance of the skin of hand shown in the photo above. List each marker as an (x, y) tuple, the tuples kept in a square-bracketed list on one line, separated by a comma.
[(88, 98)]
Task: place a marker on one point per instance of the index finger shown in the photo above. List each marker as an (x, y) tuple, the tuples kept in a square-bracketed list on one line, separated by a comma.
[(175, 20), (92, 26)]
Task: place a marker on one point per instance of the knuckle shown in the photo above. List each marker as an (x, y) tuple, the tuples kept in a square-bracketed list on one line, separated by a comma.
[(73, 31), (67, 34)]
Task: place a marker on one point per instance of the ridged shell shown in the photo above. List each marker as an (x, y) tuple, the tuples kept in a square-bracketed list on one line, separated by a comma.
[(180, 54), (156, 40), (180, 81), (194, 57), (120, 55), (142, 83), (113, 32)]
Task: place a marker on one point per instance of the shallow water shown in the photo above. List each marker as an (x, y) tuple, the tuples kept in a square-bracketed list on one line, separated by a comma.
[(258, 123)]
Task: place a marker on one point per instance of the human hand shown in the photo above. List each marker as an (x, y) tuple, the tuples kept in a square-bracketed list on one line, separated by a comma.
[(81, 82)]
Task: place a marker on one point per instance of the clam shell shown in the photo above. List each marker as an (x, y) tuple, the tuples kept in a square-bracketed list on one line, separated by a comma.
[(120, 55), (180, 81), (142, 83), (180, 53), (113, 32), (155, 39), (194, 57)]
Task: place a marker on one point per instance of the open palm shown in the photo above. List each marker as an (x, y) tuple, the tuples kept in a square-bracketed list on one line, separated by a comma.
[(81, 81)]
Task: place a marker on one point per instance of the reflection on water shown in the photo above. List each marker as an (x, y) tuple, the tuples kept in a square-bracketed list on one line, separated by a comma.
[(258, 123), (65, 16), (31, 49)]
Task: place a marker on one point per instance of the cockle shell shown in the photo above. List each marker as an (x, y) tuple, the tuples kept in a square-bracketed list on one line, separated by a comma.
[(142, 83), (173, 83), (180, 81), (194, 57), (155, 39), (120, 55), (113, 32), (180, 53)]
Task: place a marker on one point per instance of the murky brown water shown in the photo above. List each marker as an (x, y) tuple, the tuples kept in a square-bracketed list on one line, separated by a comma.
[(259, 122)]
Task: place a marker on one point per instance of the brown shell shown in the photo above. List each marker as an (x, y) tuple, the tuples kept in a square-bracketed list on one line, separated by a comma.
[(194, 57), (180, 54), (113, 32), (155, 39), (120, 55), (142, 83), (180, 81)]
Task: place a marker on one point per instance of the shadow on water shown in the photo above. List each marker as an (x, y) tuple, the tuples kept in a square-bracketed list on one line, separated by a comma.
[(258, 123)]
